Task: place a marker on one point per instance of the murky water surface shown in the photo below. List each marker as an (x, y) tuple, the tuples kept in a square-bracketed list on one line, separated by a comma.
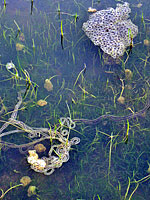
[(45, 42)]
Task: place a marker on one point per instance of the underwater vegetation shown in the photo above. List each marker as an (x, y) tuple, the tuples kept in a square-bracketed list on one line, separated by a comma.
[(47, 59)]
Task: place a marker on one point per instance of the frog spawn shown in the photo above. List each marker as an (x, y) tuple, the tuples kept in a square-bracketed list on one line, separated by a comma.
[(111, 29)]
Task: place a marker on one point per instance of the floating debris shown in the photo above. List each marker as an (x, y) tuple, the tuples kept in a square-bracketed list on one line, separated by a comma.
[(19, 47), (32, 155), (41, 103), (36, 163), (21, 37), (111, 29), (121, 100), (92, 10), (40, 148), (48, 85), (146, 42), (128, 74), (139, 5), (39, 164), (25, 180)]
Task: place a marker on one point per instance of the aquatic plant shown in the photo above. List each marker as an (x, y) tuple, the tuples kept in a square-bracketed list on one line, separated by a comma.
[(32, 190), (24, 181), (13, 187)]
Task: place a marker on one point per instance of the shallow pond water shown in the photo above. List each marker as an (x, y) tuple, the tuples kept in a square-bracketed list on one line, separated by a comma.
[(111, 162)]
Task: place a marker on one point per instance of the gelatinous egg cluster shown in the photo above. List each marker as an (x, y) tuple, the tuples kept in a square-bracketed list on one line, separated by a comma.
[(111, 29)]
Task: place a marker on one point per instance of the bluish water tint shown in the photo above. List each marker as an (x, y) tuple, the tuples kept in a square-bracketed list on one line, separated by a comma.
[(105, 165)]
